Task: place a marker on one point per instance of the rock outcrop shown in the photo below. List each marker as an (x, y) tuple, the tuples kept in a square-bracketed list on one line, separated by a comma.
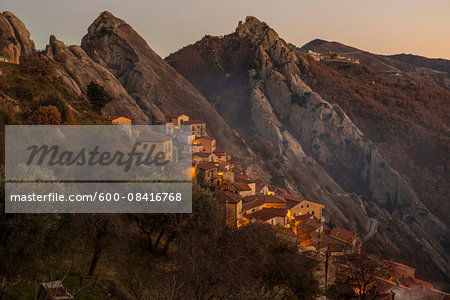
[(21, 33), (321, 153), (78, 70), (9, 46), (157, 88)]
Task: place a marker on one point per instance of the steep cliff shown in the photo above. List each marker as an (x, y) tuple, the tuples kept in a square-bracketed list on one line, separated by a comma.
[(21, 33), (319, 151), (155, 85), (9, 45), (78, 70)]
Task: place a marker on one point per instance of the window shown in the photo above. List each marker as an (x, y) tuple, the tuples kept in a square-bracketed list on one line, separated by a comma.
[(307, 212), (302, 206), (294, 214), (307, 205), (312, 213)]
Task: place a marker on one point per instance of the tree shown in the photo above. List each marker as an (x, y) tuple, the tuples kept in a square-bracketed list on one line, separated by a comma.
[(101, 231), (97, 96), (46, 115), (356, 277)]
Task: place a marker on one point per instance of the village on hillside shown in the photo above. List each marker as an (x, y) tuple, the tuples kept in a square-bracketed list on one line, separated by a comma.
[(246, 198)]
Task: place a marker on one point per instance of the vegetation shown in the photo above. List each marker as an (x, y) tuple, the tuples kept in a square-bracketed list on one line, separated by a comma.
[(404, 117), (186, 256), (97, 96), (46, 115)]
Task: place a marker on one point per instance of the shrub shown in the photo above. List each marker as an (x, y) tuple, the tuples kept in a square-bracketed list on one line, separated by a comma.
[(35, 64), (23, 93), (56, 101), (46, 115), (97, 96)]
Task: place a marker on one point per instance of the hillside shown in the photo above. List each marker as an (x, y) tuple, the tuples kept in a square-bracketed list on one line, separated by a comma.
[(367, 140), (393, 66), (268, 91)]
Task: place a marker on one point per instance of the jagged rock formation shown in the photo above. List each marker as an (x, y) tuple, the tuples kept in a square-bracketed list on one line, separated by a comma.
[(156, 86), (255, 81), (78, 70), (21, 33), (9, 46)]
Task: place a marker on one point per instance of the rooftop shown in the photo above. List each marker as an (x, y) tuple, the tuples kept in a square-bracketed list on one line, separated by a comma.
[(266, 214), (241, 186), (264, 198), (192, 122), (206, 166), (202, 154), (227, 197), (343, 234), (303, 218), (173, 115)]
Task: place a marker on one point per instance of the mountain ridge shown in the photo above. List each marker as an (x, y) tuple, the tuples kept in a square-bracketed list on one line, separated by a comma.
[(264, 75)]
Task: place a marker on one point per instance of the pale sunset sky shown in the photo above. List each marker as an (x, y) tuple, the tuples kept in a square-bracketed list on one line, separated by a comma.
[(379, 26)]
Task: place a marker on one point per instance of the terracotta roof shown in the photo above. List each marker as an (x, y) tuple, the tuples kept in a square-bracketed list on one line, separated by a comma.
[(241, 186), (314, 222), (227, 197), (265, 198), (250, 205), (266, 214), (305, 228), (291, 203), (192, 122), (393, 264), (206, 166), (223, 167), (205, 138), (259, 187), (151, 136), (241, 177), (408, 281), (343, 234), (426, 284), (173, 115), (303, 218), (202, 154)]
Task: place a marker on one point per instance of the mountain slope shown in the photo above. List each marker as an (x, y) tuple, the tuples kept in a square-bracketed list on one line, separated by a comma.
[(78, 70), (156, 87), (255, 80), (410, 66)]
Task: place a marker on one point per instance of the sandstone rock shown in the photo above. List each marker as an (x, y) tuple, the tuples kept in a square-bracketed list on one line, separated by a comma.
[(9, 45), (78, 70), (155, 85), (21, 33)]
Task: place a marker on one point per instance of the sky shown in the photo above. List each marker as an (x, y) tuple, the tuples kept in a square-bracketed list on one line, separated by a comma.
[(379, 26)]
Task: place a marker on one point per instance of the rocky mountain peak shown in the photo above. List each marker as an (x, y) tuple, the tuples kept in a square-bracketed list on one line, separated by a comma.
[(256, 29), (105, 22), (14, 38), (21, 33)]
